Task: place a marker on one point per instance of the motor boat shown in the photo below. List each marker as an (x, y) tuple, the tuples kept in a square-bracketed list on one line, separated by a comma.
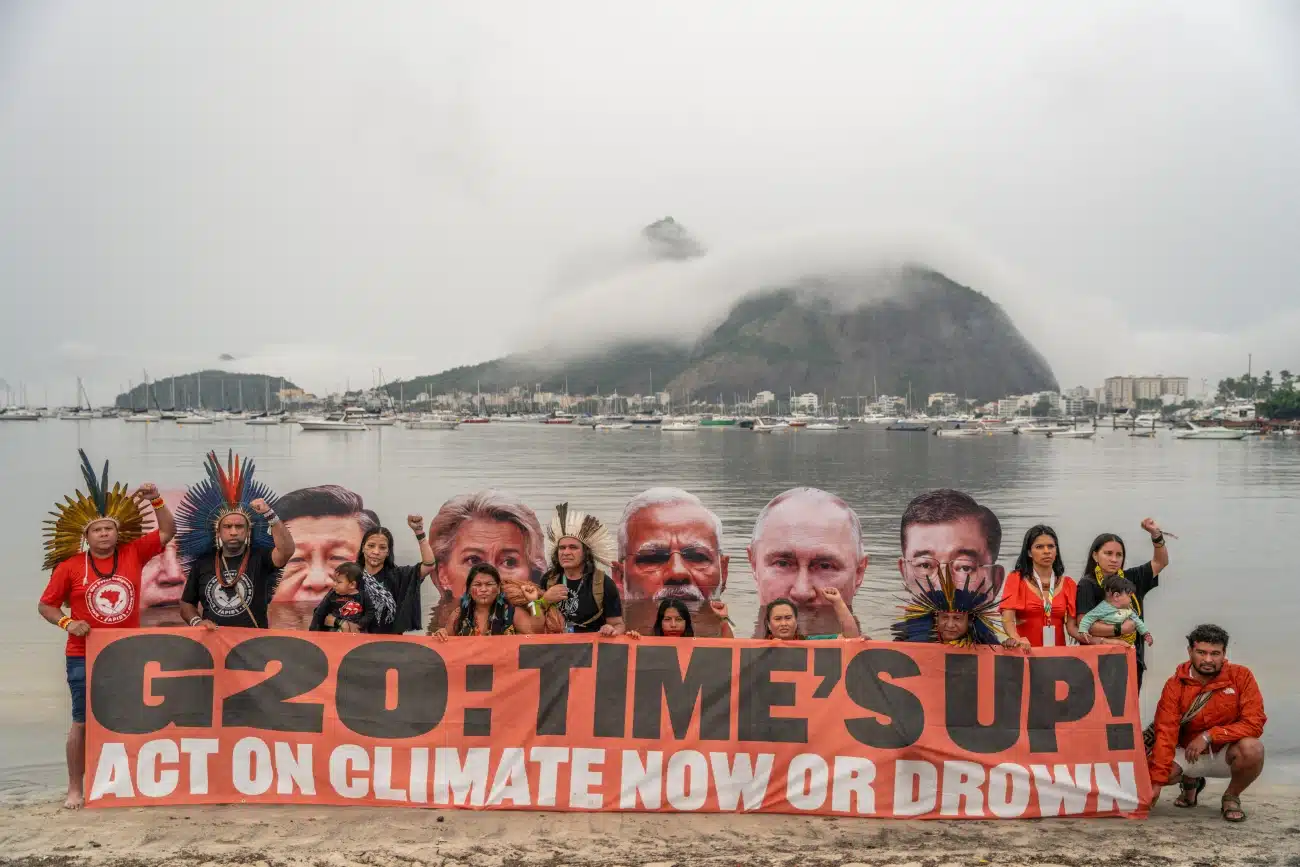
[(971, 431), (195, 418), (336, 422), (378, 420), (768, 425), (432, 422), (477, 419), (263, 420), (614, 425), (141, 417), (1074, 434), (646, 420), (822, 427), (908, 426), (1044, 429), (1213, 433), (19, 415), (679, 426)]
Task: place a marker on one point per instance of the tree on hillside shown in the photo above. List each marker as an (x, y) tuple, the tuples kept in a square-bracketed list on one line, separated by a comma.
[(1283, 405), (1042, 408)]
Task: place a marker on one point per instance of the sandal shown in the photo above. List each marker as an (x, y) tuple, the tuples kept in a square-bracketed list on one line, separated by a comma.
[(1225, 809), (1190, 792)]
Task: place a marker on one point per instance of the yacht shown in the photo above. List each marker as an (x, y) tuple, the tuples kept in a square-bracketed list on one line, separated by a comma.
[(612, 425), (19, 415), (1044, 429), (908, 425), (1213, 433), (769, 425), (678, 426), (558, 418), (823, 427), (337, 421), (477, 419), (970, 431), (142, 417), (195, 418), (263, 420)]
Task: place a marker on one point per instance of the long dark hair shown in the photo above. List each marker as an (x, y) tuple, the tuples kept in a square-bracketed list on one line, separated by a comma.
[(374, 531), (767, 615), (1025, 563), (681, 609), (1090, 567), (500, 618)]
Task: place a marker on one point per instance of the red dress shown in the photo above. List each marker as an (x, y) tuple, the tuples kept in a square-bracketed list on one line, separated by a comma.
[(1018, 596)]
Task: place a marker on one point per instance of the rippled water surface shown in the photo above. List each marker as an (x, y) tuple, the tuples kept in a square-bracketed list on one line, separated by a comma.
[(1234, 505)]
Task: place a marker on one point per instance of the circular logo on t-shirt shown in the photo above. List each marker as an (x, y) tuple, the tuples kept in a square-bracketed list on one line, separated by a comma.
[(111, 600), (350, 608), (229, 600)]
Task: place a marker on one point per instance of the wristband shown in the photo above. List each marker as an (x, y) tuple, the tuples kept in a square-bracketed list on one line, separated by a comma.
[(64, 621), (419, 537), (157, 503), (271, 516), (195, 620), (429, 565), (1119, 630), (1158, 541)]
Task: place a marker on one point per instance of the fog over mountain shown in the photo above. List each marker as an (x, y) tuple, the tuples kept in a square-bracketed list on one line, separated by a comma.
[(322, 189)]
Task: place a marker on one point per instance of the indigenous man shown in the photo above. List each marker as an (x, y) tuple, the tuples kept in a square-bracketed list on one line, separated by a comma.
[(947, 527), (234, 545), (1208, 724), (97, 547), (578, 582), (806, 540), (946, 613)]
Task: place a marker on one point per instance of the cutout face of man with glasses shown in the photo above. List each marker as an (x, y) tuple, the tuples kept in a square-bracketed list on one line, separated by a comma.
[(669, 547), (949, 527)]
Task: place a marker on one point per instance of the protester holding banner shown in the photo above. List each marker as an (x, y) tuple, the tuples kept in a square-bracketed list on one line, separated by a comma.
[(492, 527), (781, 619), (101, 587), (1038, 597), (1106, 559), (233, 546), (674, 620), (376, 558), (484, 609), (578, 583), (806, 540), (948, 613), (1208, 724)]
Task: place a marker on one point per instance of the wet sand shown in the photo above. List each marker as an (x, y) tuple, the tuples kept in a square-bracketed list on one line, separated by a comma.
[(39, 833)]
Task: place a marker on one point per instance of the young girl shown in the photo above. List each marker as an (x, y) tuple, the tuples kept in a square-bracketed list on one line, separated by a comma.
[(674, 620), (347, 606)]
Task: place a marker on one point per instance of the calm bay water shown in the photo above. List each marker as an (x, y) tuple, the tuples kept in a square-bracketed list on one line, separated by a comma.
[(1234, 505)]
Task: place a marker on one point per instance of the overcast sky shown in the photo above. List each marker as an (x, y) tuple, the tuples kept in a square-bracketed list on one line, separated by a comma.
[(323, 189)]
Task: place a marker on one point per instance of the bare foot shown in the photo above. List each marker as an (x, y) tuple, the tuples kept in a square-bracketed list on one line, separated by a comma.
[(75, 800)]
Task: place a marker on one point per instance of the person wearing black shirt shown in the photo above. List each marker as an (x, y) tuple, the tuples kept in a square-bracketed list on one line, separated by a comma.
[(1106, 558), (233, 586), (348, 606), (401, 583), (578, 582)]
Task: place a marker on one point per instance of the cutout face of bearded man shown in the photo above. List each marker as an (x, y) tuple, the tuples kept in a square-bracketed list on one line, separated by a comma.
[(670, 547)]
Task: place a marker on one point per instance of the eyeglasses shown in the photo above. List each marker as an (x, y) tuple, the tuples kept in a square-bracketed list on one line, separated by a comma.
[(962, 568), (696, 555)]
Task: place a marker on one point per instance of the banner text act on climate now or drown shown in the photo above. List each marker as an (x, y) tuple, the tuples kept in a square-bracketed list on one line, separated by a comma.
[(850, 728)]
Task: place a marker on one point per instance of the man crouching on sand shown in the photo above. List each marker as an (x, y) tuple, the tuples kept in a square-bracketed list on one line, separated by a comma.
[(1208, 724)]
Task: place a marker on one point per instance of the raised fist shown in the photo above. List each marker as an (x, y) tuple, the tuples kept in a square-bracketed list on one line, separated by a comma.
[(415, 522), (259, 505)]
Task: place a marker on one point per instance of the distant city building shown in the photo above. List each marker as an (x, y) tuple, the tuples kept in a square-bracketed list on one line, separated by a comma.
[(1081, 392), (1123, 392), (1073, 406), (763, 398), (805, 403), (665, 399), (946, 399), (888, 404), (1008, 406)]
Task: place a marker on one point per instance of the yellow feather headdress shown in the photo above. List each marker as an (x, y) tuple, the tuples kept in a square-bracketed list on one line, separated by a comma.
[(65, 532), (587, 529)]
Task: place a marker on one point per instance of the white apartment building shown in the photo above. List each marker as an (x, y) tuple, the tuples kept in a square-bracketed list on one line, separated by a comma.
[(808, 402), (945, 399)]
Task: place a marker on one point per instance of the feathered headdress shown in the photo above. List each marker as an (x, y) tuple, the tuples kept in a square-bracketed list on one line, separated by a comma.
[(65, 534), (919, 612), (587, 529), (224, 492)]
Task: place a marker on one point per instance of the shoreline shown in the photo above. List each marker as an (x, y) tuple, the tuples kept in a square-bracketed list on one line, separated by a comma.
[(39, 833)]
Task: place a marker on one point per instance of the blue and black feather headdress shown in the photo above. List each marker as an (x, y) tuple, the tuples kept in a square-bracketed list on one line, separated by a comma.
[(919, 612), (225, 491)]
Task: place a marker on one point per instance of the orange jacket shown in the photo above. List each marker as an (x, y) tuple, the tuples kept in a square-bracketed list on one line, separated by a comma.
[(1234, 711)]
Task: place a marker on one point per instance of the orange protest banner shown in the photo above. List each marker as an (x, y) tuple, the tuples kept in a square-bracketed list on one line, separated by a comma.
[(848, 728)]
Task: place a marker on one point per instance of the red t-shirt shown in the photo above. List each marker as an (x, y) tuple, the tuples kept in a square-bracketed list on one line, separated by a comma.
[(1018, 597), (104, 603)]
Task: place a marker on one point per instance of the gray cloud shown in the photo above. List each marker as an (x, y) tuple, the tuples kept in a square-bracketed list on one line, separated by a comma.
[(328, 188)]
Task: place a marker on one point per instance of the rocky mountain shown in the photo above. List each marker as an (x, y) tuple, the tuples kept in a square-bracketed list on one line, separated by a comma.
[(887, 332), (221, 390)]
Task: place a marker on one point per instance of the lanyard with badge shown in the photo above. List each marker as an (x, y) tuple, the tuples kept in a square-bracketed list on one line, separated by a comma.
[(1049, 631)]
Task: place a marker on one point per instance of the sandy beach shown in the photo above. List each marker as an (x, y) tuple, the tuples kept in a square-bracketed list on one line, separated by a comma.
[(41, 834)]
